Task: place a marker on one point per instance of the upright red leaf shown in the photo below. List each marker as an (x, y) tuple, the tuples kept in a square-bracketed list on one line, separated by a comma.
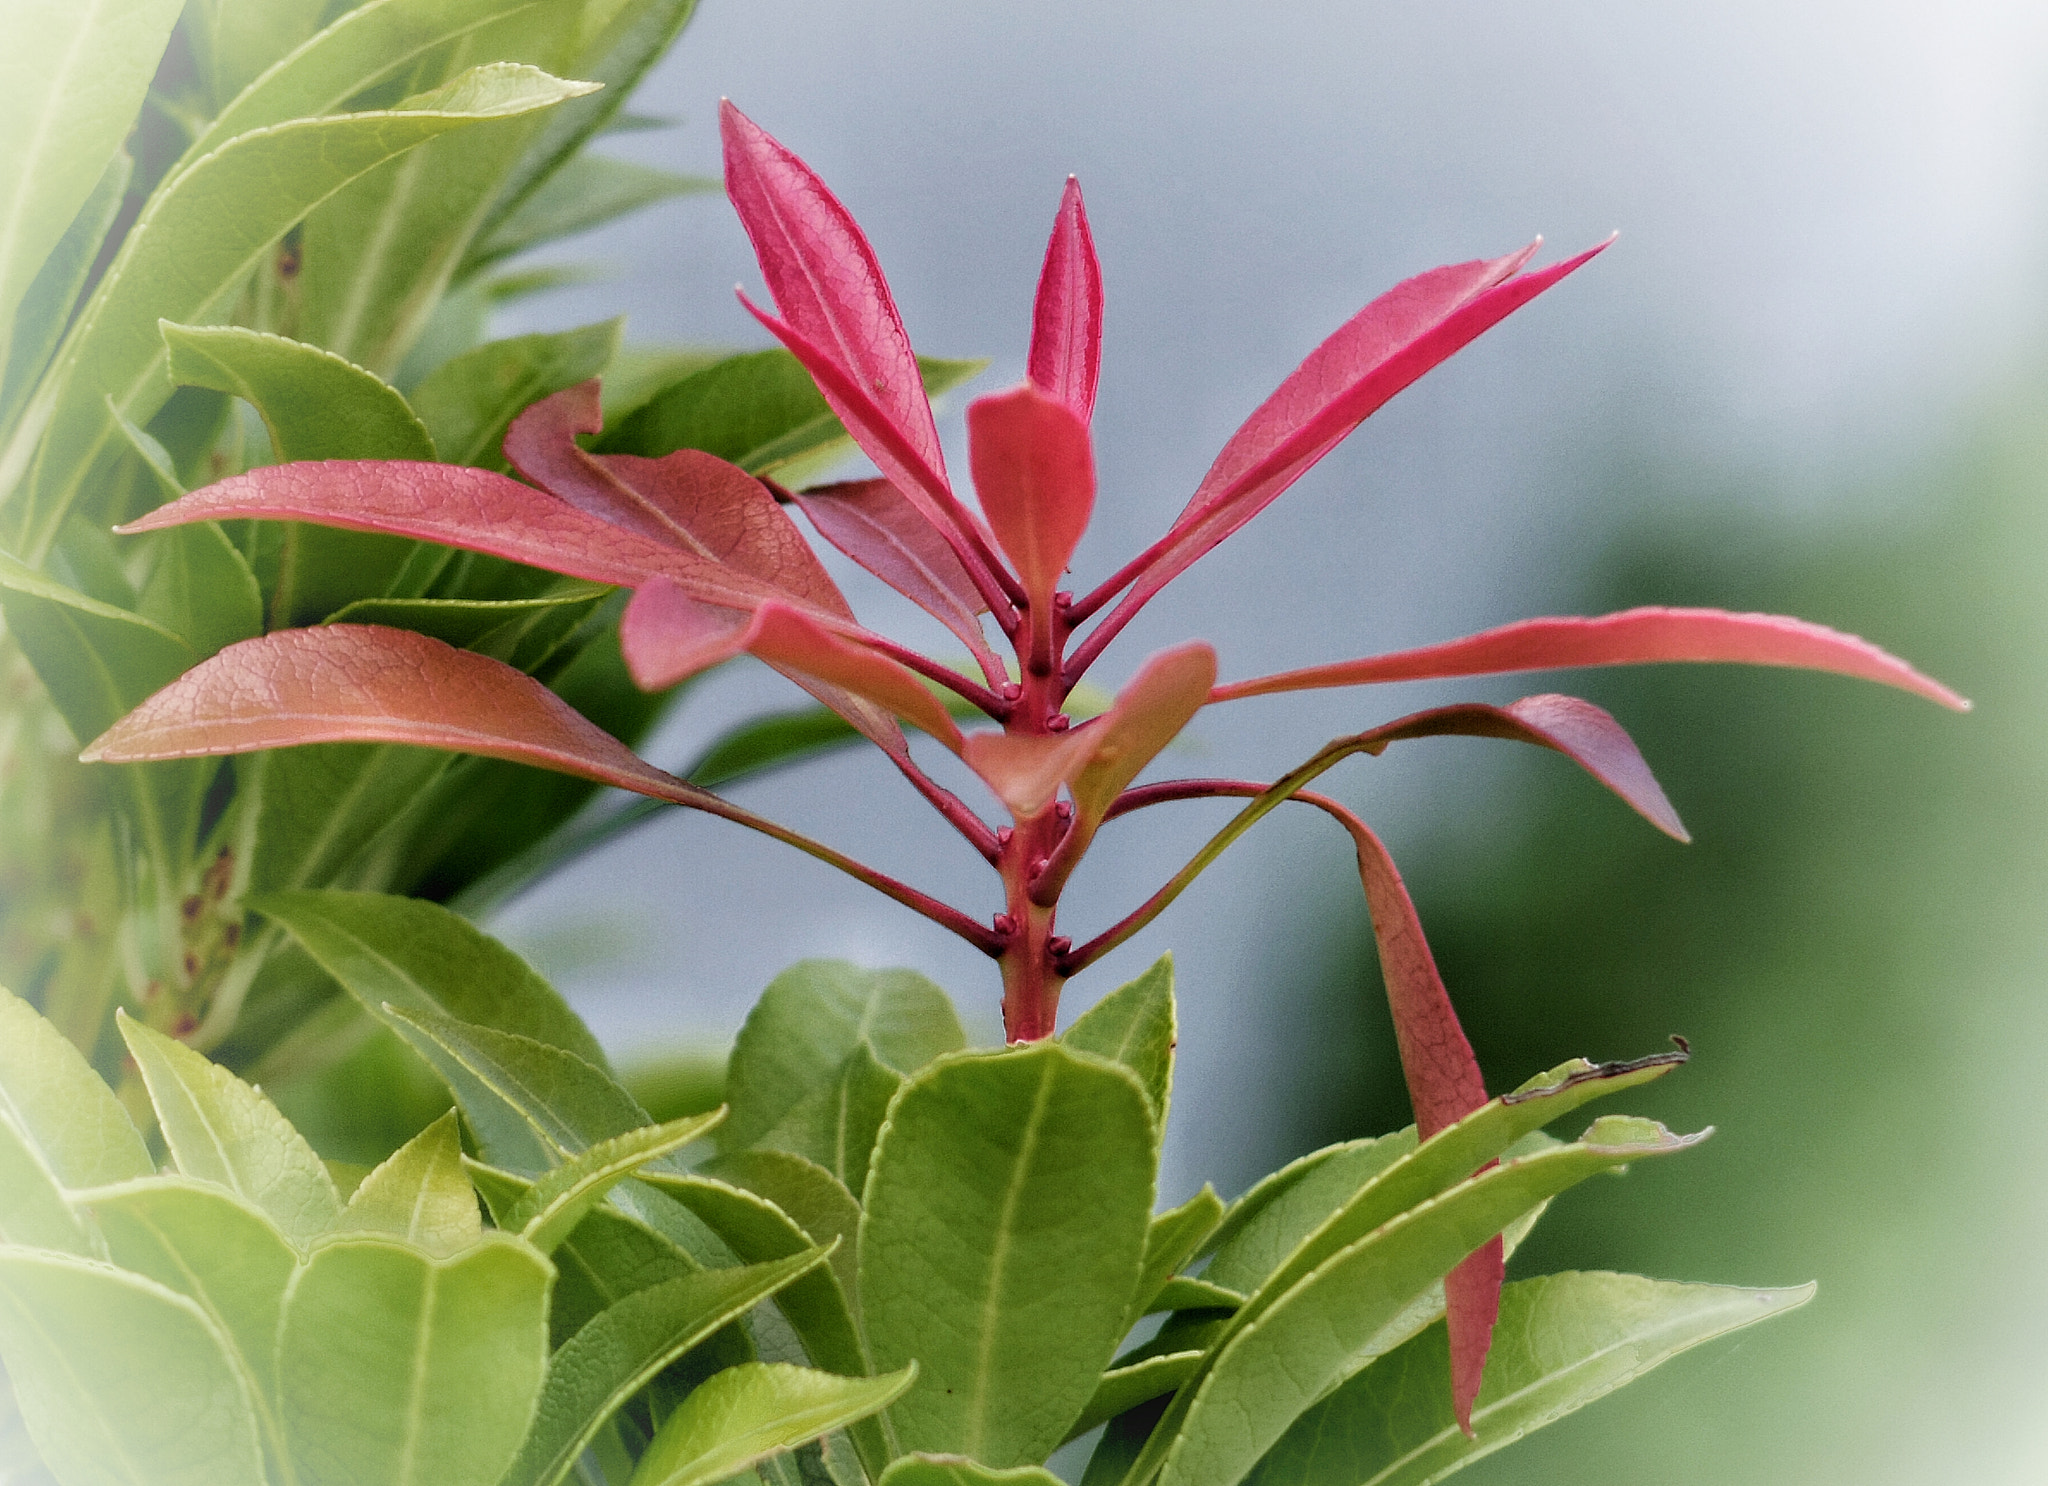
[(1631, 637), (1035, 473), (1066, 318), (1026, 770)]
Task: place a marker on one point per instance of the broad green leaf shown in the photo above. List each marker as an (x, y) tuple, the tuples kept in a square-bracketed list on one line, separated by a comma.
[(520, 632), (233, 41), (1173, 1239), (1288, 1347), (315, 404), (418, 956), (68, 1116), (1183, 1294), (211, 1247), (221, 1130), (72, 79), (1269, 1222), (760, 410), (958, 1470), (559, 1200), (589, 191), (200, 588), (1134, 1026), (817, 1201), (40, 318), (1125, 1388), (98, 661), (420, 1193), (36, 1214), (835, 1126), (637, 373), (187, 249), (807, 1022), (397, 1367), (320, 811), (123, 1382), (468, 400), (745, 1413), (1562, 1341), (1004, 1232), (621, 1349)]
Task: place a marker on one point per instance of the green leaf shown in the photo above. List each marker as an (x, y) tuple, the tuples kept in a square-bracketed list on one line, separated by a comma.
[(123, 1382), (98, 662), (396, 1366), (558, 1201), (521, 632), (200, 588), (418, 956), (1125, 1388), (322, 810), (1184, 1294), (738, 1416), (233, 41), (468, 400), (589, 191), (197, 237), (1302, 1334), (315, 404), (765, 743), (1174, 1238), (622, 1349), (221, 1130), (836, 1125), (760, 410), (958, 1470), (69, 1118), (36, 1214), (531, 1105), (1134, 1026), (1005, 1228), (420, 1193), (637, 373), (1269, 1222), (1562, 1341), (72, 79), (211, 1247), (813, 1198), (806, 1024), (40, 318)]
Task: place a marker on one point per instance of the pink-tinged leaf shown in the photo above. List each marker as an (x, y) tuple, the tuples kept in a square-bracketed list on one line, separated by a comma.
[(363, 683), (1580, 731), (1631, 637), (1026, 770), (1149, 713), (1471, 1307), (823, 274), (1066, 319), (1034, 470), (872, 523), (460, 507), (541, 446), (665, 637)]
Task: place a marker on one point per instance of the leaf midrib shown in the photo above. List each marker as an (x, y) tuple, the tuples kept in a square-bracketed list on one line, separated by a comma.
[(992, 1301)]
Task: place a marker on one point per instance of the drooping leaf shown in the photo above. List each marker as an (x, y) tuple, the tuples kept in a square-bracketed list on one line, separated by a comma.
[(1034, 469), (1066, 316), (417, 955), (835, 1126), (621, 1349), (1135, 1025), (468, 401), (958, 1470), (523, 633), (548, 1213), (221, 1130), (420, 1193), (1171, 1242), (1630, 637), (122, 1381), (994, 1172), (317, 405), (809, 1020), (393, 1365), (1563, 1340), (60, 1106), (738, 1416), (586, 193), (1125, 1388)]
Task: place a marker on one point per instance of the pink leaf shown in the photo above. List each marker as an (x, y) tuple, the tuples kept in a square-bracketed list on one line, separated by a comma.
[(872, 523), (1066, 320), (1035, 474), (1632, 637), (361, 683), (1471, 1307), (1149, 713), (1027, 769), (541, 446)]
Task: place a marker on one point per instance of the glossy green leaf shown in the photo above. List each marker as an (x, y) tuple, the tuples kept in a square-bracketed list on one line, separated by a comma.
[(36, 1214), (1562, 1341), (221, 1130), (1174, 1239), (315, 404), (814, 1199), (468, 400), (420, 1193), (200, 588), (68, 1116), (233, 41), (1289, 1346), (765, 743), (418, 956), (40, 318), (621, 1350), (123, 1382), (523, 633), (97, 661), (320, 811), (587, 192), (995, 1172), (211, 1247), (1269, 1222), (1183, 1294), (836, 1125), (808, 1021), (745, 1413), (958, 1470), (396, 1366), (1125, 1388), (187, 249), (72, 79), (1134, 1025), (559, 1200), (638, 372)]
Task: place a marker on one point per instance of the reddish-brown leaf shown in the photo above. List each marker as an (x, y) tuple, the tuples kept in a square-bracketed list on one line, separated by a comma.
[(1631, 637), (1066, 318), (872, 523), (1025, 770), (1035, 473), (1471, 1307), (541, 446), (1149, 713)]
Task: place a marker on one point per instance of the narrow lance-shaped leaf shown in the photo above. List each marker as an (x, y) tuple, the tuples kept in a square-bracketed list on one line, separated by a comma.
[(317, 405), (40, 318), (958, 1470), (1066, 317), (1631, 637), (1035, 473), (559, 1200), (757, 1409), (420, 1193)]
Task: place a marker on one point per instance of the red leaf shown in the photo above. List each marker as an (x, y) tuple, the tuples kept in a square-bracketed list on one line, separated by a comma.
[(872, 523), (541, 445), (1148, 714), (1035, 474), (1066, 319), (1631, 637), (362, 683), (1471, 1307), (1027, 769)]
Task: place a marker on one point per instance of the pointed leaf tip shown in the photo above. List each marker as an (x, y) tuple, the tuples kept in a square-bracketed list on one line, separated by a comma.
[(1066, 318)]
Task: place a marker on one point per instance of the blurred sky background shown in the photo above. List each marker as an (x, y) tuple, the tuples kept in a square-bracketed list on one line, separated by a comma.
[(1809, 375)]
